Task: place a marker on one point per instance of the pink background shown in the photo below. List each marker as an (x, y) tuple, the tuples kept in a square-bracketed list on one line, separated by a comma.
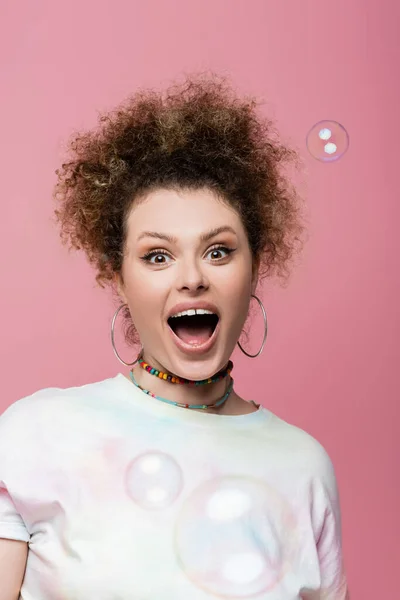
[(330, 364)]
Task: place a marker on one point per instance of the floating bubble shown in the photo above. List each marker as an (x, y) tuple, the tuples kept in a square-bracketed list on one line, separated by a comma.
[(154, 480), (236, 537), (327, 141)]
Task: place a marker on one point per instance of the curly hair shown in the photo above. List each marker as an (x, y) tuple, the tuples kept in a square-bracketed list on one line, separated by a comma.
[(195, 135)]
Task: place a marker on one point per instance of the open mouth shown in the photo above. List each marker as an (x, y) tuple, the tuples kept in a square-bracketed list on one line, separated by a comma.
[(194, 330)]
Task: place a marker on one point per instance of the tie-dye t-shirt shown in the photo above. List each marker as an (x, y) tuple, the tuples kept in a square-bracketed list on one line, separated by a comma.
[(123, 497)]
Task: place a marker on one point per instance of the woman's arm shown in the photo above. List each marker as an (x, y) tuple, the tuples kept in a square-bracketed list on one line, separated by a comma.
[(13, 557)]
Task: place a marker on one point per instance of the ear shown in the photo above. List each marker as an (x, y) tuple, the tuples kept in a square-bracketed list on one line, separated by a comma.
[(120, 287), (254, 278)]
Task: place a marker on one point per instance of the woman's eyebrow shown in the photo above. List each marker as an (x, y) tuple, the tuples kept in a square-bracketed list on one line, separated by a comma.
[(173, 240)]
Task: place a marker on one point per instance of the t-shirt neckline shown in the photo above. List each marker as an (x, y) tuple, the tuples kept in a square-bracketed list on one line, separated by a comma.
[(162, 409)]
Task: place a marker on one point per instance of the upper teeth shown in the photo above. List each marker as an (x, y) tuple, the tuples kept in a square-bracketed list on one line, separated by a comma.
[(193, 311)]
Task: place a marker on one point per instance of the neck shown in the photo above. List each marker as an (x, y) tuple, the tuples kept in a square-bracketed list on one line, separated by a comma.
[(208, 393)]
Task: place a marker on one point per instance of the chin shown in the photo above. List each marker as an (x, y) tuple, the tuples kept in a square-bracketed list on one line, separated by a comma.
[(199, 369)]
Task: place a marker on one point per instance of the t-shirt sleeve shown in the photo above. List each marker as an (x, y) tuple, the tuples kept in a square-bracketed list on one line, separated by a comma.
[(12, 525), (327, 515)]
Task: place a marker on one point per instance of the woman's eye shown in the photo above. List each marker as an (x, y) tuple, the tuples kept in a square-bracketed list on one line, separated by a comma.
[(215, 251), (155, 254)]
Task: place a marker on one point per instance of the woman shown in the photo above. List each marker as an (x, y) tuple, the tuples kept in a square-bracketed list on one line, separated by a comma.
[(166, 483)]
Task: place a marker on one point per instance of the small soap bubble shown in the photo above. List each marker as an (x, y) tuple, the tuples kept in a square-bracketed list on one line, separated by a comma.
[(327, 141), (235, 537), (154, 480)]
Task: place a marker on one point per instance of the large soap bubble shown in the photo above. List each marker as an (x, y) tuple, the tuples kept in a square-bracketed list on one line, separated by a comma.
[(236, 537)]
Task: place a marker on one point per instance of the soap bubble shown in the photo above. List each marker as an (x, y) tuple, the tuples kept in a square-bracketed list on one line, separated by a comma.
[(236, 537), (154, 480), (327, 141)]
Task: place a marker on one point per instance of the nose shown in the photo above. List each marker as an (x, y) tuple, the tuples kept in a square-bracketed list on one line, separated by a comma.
[(191, 276)]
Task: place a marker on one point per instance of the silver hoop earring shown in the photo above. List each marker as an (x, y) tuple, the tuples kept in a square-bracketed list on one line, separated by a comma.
[(113, 343), (265, 330)]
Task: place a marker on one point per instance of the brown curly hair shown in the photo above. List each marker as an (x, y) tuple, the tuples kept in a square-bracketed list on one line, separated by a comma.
[(196, 135)]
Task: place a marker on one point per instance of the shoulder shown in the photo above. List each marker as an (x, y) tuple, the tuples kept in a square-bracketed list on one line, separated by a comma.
[(305, 453), (45, 407)]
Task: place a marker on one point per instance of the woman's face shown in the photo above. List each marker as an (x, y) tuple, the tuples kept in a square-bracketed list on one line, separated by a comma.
[(187, 269)]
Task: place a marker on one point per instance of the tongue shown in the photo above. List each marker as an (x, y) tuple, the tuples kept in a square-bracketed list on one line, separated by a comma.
[(193, 333)]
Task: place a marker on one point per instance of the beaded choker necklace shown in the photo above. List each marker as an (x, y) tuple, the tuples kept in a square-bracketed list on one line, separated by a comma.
[(180, 380)]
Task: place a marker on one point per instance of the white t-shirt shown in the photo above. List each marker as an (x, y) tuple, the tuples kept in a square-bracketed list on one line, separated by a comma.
[(121, 496)]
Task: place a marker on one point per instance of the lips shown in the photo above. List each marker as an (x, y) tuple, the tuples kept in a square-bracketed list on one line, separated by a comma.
[(196, 337), (181, 306)]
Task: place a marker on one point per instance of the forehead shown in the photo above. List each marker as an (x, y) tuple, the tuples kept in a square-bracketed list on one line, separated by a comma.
[(181, 213)]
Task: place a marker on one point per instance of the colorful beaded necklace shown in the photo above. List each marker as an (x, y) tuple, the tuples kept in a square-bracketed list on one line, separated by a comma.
[(197, 406), (180, 380)]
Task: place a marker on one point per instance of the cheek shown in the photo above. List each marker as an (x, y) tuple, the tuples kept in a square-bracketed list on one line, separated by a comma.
[(235, 283), (234, 297), (146, 295)]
